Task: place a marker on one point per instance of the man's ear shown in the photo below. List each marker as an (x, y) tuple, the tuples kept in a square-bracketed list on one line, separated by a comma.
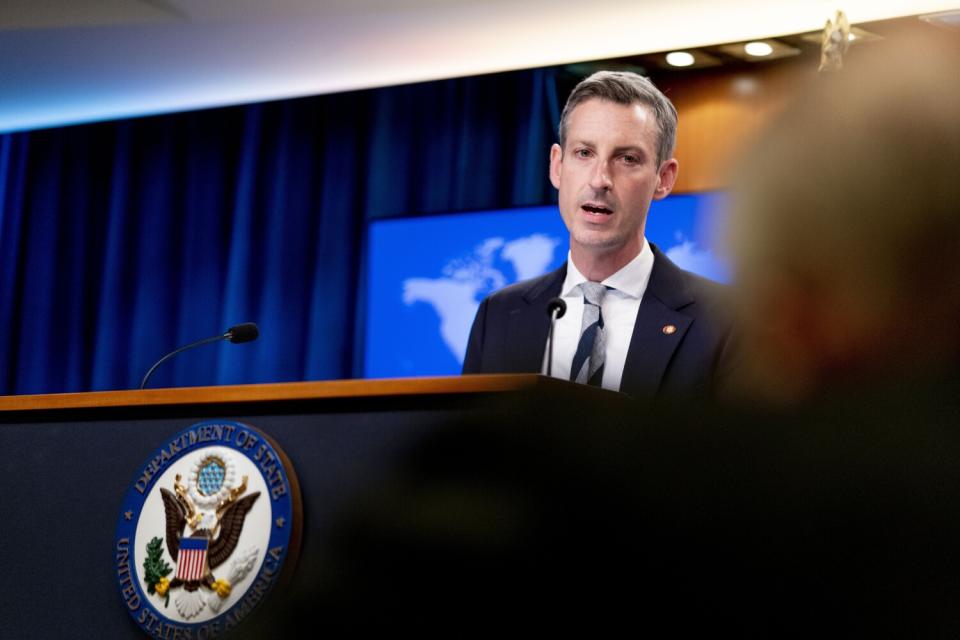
[(556, 159), (668, 177)]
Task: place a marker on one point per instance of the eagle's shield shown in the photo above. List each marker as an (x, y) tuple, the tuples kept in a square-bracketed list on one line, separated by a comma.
[(192, 559)]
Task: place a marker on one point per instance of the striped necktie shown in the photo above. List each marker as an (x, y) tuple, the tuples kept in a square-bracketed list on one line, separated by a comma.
[(588, 361)]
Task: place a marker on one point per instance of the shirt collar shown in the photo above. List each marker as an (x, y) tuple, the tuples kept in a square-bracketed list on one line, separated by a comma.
[(630, 280)]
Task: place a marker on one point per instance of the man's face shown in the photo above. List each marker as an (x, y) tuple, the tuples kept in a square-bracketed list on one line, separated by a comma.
[(607, 175)]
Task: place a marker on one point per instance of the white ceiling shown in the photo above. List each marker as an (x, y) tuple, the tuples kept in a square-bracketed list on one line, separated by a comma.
[(70, 61)]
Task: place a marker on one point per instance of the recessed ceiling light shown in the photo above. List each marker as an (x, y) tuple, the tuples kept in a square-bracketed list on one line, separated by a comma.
[(761, 51), (680, 59), (698, 59), (758, 49)]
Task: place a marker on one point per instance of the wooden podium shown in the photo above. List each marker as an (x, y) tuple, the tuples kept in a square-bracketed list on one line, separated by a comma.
[(68, 460)]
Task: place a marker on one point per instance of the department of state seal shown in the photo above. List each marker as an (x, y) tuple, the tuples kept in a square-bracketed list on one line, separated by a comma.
[(205, 530)]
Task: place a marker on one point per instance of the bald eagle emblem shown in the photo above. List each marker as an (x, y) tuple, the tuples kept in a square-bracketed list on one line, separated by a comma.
[(204, 519)]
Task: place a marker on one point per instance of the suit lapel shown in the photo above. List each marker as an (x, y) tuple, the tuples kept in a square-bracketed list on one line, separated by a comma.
[(659, 329), (528, 323)]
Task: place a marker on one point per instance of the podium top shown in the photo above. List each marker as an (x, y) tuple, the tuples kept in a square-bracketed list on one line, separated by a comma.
[(284, 391)]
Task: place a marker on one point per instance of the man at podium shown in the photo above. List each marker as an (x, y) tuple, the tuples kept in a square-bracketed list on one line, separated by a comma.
[(634, 321)]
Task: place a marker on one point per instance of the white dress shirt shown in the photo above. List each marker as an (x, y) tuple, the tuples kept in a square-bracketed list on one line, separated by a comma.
[(619, 309)]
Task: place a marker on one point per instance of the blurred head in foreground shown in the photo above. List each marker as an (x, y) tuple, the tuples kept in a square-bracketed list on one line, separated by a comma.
[(845, 229), (565, 512)]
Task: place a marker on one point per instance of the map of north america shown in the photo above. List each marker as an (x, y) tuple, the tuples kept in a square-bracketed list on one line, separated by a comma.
[(496, 262), (466, 281)]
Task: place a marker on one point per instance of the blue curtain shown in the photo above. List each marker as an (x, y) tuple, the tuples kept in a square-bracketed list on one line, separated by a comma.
[(121, 240)]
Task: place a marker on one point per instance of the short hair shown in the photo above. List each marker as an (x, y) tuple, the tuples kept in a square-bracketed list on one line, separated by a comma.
[(627, 88)]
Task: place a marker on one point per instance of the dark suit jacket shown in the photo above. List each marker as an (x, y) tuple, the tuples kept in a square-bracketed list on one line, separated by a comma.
[(510, 332)]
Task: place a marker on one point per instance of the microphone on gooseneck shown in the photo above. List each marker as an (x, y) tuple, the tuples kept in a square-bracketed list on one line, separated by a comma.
[(555, 309), (246, 332), (236, 334)]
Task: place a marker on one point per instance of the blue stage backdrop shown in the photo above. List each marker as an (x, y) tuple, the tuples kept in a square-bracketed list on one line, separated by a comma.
[(121, 240), (421, 303)]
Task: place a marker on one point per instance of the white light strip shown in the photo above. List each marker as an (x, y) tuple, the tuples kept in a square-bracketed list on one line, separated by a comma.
[(61, 76)]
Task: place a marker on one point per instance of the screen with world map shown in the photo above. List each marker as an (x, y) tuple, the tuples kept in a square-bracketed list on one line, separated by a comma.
[(426, 276)]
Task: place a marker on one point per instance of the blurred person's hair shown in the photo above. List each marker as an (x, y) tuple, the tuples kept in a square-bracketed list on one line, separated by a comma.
[(845, 225)]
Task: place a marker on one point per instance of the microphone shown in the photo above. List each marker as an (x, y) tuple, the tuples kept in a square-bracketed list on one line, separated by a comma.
[(236, 334), (555, 309), (246, 332)]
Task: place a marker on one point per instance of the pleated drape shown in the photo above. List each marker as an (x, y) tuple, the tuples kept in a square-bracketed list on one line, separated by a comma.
[(121, 240)]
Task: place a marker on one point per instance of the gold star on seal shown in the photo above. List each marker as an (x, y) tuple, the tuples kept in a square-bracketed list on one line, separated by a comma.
[(280, 522), (128, 515)]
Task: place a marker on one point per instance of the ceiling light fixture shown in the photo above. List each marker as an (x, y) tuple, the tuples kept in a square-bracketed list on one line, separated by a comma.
[(758, 49), (680, 58)]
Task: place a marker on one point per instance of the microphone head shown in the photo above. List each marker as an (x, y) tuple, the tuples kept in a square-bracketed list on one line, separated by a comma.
[(558, 305), (242, 332)]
